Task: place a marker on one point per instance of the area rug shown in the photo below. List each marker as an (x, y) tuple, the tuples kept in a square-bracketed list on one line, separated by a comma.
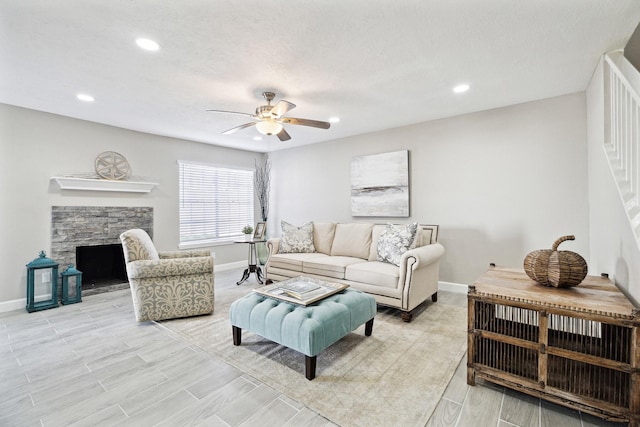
[(394, 377)]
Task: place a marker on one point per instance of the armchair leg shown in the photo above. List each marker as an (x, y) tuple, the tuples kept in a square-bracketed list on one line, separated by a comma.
[(406, 316), (434, 297)]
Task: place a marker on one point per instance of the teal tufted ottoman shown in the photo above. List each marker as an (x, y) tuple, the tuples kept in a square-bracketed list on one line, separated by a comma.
[(309, 329)]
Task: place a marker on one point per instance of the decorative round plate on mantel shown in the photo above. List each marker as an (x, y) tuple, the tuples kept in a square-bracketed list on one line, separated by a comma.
[(112, 165)]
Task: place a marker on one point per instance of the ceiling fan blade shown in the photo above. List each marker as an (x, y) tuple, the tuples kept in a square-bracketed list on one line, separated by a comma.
[(281, 108), (283, 135), (233, 112), (306, 122), (237, 128)]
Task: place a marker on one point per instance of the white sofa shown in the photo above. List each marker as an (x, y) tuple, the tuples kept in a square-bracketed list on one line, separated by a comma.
[(348, 253)]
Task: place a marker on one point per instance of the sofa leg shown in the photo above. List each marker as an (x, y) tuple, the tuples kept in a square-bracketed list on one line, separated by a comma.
[(434, 297), (406, 316)]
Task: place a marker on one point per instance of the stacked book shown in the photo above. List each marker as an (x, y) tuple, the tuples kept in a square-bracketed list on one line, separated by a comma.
[(300, 290)]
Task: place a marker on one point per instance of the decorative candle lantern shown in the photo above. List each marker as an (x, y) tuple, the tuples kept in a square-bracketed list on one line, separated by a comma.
[(42, 284), (71, 285)]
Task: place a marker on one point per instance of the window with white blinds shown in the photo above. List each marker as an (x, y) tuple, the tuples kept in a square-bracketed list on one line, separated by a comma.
[(215, 203)]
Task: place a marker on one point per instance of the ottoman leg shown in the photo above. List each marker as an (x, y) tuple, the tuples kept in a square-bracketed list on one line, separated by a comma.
[(310, 366), (237, 335), (368, 328)]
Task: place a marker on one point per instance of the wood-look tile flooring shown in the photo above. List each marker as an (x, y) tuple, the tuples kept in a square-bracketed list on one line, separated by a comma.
[(91, 364)]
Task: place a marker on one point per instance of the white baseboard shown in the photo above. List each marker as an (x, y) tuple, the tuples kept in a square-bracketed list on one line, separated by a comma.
[(453, 287), (15, 304), (22, 302), (230, 266)]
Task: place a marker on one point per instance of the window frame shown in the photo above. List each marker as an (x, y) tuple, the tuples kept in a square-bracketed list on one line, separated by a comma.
[(212, 195)]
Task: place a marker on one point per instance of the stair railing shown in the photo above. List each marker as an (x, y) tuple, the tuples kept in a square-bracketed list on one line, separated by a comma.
[(622, 137)]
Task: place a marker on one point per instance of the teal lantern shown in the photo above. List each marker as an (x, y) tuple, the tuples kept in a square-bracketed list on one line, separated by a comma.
[(42, 284), (71, 285)]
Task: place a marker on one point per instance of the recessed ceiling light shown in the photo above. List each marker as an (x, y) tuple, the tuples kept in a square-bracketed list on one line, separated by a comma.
[(461, 88), (84, 97), (147, 44), (257, 138), (334, 119)]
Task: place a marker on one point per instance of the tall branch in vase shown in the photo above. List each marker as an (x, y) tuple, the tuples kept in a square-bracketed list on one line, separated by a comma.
[(262, 186)]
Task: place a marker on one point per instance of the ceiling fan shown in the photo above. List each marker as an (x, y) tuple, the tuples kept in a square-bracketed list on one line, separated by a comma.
[(269, 118)]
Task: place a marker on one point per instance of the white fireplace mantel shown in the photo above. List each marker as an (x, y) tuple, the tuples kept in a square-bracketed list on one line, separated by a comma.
[(93, 184)]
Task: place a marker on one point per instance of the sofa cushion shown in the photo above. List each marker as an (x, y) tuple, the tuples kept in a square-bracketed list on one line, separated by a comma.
[(375, 235), (292, 261), (428, 234), (374, 272), (396, 240), (331, 266), (353, 240), (323, 233), (296, 239)]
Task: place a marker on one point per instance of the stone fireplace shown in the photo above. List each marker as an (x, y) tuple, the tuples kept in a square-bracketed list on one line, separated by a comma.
[(90, 235)]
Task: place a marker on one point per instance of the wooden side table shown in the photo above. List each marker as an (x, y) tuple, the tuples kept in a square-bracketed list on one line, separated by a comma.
[(252, 260), (578, 347)]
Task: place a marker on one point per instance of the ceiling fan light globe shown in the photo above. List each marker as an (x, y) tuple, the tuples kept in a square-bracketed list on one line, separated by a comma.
[(268, 127)]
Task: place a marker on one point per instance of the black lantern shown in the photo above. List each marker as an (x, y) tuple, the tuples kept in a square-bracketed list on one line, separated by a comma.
[(71, 285), (42, 284)]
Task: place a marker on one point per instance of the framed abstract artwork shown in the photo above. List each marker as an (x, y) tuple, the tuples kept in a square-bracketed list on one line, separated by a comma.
[(380, 185)]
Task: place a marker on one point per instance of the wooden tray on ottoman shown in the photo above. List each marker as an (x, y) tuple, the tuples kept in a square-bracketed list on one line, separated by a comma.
[(322, 290), (578, 347)]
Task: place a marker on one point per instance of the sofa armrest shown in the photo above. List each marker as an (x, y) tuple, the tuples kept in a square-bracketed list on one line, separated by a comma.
[(184, 254), (145, 269), (273, 245), (422, 256), (418, 279)]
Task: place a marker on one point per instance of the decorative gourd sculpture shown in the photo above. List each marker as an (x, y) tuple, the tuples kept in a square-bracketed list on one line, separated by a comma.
[(551, 267)]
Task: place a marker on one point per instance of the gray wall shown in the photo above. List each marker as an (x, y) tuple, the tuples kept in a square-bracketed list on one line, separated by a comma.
[(36, 146), (613, 246), (500, 183)]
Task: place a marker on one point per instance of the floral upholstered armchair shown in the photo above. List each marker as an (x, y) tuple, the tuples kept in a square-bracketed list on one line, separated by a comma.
[(166, 285)]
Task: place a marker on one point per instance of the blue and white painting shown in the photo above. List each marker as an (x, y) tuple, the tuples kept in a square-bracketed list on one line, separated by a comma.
[(380, 185)]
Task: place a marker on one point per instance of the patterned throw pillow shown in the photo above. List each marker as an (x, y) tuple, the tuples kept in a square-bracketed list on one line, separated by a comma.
[(394, 241), (296, 239)]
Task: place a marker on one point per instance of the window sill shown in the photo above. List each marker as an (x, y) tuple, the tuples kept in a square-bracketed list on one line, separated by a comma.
[(205, 244)]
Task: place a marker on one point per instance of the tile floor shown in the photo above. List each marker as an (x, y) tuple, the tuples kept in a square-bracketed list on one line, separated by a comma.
[(88, 364)]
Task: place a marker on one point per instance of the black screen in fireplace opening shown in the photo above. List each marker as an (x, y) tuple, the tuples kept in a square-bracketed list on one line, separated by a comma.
[(101, 265)]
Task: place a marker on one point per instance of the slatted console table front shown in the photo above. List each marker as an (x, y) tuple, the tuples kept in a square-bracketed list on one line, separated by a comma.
[(578, 347)]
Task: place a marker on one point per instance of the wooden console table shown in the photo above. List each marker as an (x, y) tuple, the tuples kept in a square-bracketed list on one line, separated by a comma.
[(578, 347)]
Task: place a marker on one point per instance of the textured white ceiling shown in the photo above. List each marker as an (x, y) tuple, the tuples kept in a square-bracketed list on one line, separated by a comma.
[(376, 64)]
